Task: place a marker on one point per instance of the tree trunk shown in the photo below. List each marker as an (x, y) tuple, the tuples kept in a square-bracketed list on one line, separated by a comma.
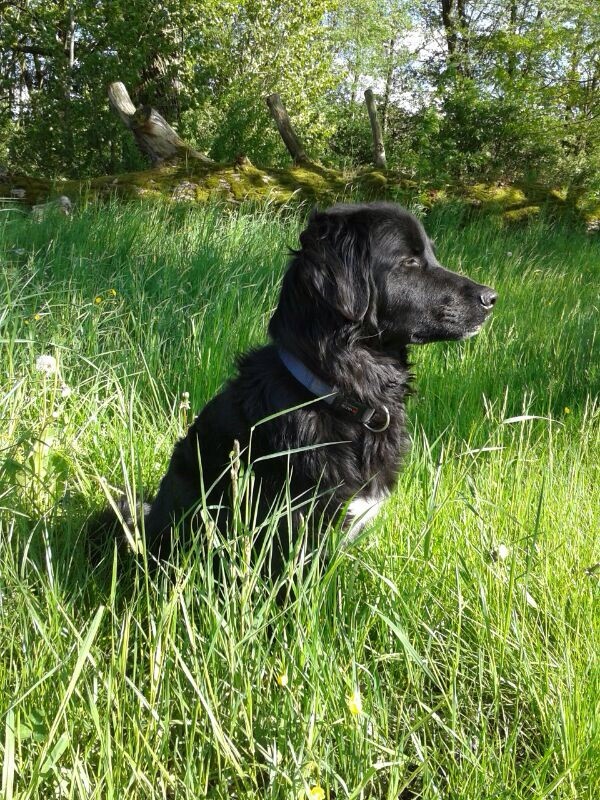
[(457, 33), (512, 27), (153, 134), (378, 149), (389, 78), (284, 126), (449, 27)]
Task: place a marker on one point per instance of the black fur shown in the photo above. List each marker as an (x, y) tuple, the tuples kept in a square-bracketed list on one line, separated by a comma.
[(364, 285)]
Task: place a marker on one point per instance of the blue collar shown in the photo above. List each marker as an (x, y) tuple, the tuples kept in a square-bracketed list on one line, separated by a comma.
[(307, 378), (329, 394)]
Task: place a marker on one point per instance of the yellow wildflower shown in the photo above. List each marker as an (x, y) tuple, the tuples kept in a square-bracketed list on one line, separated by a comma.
[(37, 317), (355, 703), (282, 679), (567, 410), (112, 292), (315, 792), (98, 299)]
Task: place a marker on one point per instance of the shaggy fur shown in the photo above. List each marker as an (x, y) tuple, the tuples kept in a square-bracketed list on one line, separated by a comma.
[(364, 285)]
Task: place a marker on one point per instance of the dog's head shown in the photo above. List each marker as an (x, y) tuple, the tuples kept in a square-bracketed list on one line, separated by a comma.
[(373, 266)]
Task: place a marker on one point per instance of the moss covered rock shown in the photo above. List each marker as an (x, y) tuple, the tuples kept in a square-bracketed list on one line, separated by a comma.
[(198, 182)]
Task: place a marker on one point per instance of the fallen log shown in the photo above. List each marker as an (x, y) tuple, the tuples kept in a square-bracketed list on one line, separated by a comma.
[(153, 134)]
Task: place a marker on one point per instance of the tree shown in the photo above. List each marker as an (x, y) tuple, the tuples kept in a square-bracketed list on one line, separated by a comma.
[(465, 88), (515, 85), (205, 64), (249, 50)]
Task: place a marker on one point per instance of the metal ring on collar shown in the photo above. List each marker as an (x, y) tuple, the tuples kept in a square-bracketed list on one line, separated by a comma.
[(385, 425)]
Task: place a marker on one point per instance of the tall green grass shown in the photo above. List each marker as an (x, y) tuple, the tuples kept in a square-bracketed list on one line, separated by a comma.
[(463, 629)]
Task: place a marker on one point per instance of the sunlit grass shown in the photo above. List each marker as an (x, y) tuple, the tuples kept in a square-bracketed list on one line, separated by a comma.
[(452, 653)]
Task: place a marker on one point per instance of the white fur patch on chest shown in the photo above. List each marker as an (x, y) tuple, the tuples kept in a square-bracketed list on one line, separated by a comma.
[(361, 511)]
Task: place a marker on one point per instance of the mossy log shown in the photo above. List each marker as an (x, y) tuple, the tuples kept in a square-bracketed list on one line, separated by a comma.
[(182, 174), (195, 181), (242, 182)]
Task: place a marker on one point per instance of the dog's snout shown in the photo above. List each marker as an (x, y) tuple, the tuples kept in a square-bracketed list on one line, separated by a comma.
[(488, 298)]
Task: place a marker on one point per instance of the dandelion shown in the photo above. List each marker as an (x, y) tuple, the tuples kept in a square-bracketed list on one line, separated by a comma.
[(98, 299), (315, 792), (112, 292), (354, 702), (282, 679), (46, 365), (65, 391), (37, 317), (567, 410), (500, 553)]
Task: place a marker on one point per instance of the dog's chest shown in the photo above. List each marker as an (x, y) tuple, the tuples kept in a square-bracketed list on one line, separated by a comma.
[(361, 511)]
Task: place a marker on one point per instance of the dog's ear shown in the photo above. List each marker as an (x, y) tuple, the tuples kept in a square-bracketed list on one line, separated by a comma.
[(335, 251)]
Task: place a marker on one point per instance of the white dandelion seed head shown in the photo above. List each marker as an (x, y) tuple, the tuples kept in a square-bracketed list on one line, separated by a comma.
[(500, 553), (46, 364), (65, 391)]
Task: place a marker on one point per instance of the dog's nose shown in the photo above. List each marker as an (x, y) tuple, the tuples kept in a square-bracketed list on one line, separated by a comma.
[(488, 299)]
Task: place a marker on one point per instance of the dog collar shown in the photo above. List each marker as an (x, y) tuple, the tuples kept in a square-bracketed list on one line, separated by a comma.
[(308, 379)]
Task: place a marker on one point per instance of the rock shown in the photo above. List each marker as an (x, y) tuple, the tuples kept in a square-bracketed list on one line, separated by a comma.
[(61, 204), (184, 191)]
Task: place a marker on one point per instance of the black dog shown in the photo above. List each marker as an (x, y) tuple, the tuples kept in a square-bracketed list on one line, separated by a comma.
[(364, 285)]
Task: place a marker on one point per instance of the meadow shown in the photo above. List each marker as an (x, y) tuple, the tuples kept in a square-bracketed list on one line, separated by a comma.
[(450, 653)]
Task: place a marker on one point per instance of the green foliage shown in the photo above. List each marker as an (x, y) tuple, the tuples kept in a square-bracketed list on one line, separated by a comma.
[(476, 136), (519, 94), (268, 47), (351, 144), (206, 66)]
